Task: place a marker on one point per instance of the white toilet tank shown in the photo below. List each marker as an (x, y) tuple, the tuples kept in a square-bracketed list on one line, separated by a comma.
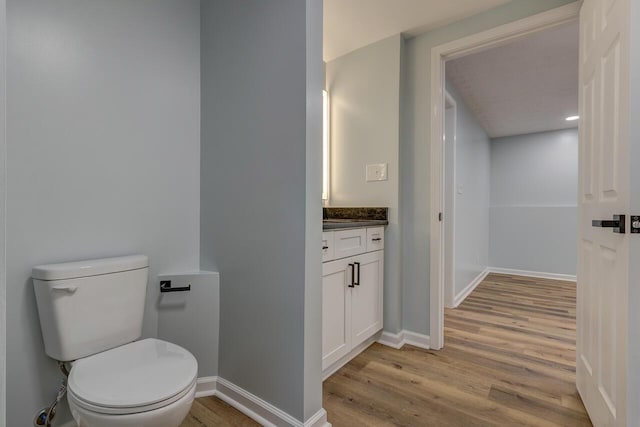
[(87, 307)]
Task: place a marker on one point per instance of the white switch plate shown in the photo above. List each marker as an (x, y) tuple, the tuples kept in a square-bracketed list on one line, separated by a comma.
[(376, 172)]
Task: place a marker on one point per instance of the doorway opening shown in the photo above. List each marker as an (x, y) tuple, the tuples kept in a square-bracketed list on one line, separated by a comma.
[(481, 42), (509, 198), (511, 161)]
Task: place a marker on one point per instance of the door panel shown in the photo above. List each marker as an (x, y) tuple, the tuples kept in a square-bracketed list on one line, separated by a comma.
[(604, 191), (586, 141), (610, 93), (366, 301), (336, 311)]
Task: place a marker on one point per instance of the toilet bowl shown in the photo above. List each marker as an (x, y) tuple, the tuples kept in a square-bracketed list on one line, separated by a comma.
[(144, 383), (91, 316)]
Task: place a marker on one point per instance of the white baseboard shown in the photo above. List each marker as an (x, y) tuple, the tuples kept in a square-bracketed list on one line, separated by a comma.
[(254, 407), (206, 386), (318, 420), (470, 287), (417, 340), (392, 340), (538, 274), (403, 337)]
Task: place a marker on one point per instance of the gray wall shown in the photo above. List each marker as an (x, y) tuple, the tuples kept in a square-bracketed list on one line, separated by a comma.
[(192, 319), (364, 87), (313, 213), (3, 182), (534, 196), (255, 132), (414, 149), (103, 110), (472, 193)]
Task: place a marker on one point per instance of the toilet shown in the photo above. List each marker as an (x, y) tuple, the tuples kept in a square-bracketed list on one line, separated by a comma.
[(91, 316)]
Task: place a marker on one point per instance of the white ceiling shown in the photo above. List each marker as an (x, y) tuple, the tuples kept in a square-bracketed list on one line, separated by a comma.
[(352, 24), (529, 85)]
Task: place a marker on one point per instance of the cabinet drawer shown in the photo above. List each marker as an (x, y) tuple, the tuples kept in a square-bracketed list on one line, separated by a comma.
[(328, 252), (375, 238), (349, 242)]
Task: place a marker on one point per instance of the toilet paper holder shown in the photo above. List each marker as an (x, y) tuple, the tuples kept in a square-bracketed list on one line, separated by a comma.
[(165, 286)]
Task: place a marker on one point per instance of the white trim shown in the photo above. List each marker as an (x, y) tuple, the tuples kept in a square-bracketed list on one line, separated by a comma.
[(455, 49), (398, 340), (417, 340), (538, 274), (252, 406), (318, 420), (206, 386), (392, 340), (449, 242), (470, 287)]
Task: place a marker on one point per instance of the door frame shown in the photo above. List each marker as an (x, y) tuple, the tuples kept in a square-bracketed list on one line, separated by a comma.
[(449, 217), (439, 55), (3, 208)]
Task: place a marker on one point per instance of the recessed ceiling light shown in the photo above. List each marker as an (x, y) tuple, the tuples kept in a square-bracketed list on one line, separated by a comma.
[(572, 118)]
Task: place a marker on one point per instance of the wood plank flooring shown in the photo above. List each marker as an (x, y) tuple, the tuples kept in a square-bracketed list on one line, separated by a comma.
[(508, 360), (211, 411)]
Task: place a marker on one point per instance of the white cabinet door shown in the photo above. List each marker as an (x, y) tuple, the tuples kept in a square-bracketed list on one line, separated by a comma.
[(603, 260), (336, 310), (366, 296)]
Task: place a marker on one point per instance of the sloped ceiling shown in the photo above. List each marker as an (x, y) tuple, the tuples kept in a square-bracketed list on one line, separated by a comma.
[(352, 24), (529, 85)]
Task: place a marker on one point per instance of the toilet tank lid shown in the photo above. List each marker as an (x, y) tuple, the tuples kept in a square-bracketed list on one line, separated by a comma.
[(91, 267)]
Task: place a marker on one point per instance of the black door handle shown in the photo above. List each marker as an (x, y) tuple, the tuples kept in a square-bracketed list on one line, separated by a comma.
[(617, 223), (351, 266), (357, 282)]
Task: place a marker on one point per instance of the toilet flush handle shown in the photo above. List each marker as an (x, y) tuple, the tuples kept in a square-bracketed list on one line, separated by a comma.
[(67, 289)]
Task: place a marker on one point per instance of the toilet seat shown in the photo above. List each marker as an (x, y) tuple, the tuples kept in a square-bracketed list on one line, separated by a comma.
[(136, 377)]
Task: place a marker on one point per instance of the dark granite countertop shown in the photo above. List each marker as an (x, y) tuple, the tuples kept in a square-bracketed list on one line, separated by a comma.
[(335, 224), (352, 217)]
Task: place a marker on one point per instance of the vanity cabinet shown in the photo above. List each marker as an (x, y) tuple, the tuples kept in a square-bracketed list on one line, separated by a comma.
[(352, 294)]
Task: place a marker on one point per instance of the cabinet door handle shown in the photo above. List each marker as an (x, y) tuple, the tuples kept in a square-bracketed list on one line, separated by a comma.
[(377, 239), (357, 281), (352, 267), (325, 248)]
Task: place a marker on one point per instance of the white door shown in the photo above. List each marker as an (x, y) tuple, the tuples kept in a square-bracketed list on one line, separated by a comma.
[(603, 257), (366, 296), (336, 310)]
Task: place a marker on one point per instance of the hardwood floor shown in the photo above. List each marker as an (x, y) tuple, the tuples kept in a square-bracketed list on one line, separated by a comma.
[(211, 411), (508, 360)]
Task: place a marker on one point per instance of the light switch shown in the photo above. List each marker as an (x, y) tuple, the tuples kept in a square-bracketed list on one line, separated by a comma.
[(376, 172)]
